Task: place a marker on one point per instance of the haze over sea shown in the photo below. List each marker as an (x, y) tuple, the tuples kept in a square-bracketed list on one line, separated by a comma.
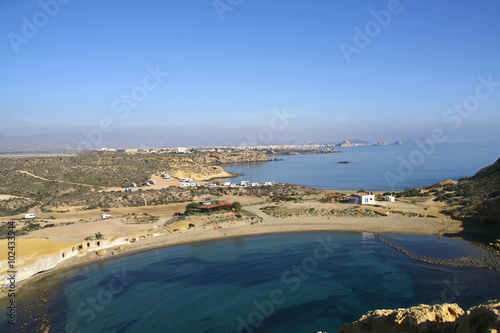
[(374, 168)]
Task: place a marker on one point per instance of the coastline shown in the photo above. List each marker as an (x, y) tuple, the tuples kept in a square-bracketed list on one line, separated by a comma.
[(272, 225)]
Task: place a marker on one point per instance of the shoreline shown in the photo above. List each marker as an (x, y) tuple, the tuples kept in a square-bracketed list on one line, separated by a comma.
[(420, 226)]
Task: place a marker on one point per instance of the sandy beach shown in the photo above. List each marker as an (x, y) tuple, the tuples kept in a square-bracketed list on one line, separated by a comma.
[(153, 235)]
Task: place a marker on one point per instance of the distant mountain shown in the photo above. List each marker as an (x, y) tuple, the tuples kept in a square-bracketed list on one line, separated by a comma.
[(351, 143), (358, 142), (410, 141)]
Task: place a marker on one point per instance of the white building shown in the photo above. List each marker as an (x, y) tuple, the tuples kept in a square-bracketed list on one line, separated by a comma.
[(390, 198), (361, 198)]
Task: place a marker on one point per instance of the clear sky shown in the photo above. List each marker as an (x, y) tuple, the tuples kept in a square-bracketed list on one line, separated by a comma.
[(231, 64)]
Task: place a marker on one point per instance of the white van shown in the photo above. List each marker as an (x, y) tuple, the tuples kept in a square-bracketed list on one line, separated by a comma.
[(185, 185), (30, 216)]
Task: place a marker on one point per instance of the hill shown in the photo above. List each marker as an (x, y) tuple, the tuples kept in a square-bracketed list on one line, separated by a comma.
[(475, 198)]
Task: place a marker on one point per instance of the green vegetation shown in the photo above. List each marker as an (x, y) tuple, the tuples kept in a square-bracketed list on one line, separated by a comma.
[(192, 205), (472, 196), (279, 198), (236, 206), (251, 215), (16, 206), (414, 192), (50, 184), (281, 212)]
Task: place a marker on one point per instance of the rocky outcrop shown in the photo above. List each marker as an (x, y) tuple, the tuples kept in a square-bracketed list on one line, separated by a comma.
[(481, 318), (440, 318), (233, 157), (43, 255), (199, 172)]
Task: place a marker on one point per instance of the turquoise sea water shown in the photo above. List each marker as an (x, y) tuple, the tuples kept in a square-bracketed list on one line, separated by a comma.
[(377, 168), (296, 282)]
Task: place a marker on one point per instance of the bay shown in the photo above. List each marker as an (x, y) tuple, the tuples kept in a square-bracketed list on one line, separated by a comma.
[(374, 168), (294, 282)]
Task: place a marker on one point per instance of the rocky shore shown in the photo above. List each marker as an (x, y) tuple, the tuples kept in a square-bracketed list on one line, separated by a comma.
[(488, 258), (234, 157), (439, 318)]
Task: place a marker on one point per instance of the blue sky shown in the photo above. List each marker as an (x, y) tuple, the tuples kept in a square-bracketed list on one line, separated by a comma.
[(230, 75)]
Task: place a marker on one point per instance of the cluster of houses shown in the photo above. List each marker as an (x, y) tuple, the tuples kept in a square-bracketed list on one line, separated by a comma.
[(245, 183), (188, 182), (177, 150)]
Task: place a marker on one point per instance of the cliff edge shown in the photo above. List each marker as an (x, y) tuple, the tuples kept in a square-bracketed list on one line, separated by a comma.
[(439, 318)]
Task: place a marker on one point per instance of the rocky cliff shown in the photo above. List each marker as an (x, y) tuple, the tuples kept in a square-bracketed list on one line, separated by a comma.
[(440, 318), (234, 157)]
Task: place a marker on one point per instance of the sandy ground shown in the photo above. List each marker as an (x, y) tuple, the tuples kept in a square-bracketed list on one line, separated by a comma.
[(160, 183), (72, 226), (7, 197), (217, 226)]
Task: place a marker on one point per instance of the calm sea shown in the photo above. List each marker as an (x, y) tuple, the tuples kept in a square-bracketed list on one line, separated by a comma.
[(377, 168), (298, 282)]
